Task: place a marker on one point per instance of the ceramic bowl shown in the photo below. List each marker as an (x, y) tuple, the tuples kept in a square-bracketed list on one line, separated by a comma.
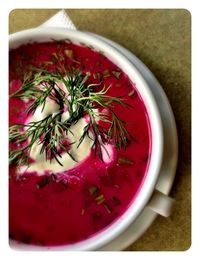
[(148, 186)]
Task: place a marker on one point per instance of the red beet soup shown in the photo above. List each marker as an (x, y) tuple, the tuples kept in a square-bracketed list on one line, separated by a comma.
[(60, 191)]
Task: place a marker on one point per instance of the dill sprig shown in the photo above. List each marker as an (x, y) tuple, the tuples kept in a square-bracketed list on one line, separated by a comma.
[(79, 98)]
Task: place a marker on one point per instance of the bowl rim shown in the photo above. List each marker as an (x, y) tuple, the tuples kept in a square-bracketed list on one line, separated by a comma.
[(147, 187)]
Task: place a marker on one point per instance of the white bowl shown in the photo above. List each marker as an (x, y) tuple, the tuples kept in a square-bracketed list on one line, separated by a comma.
[(148, 186)]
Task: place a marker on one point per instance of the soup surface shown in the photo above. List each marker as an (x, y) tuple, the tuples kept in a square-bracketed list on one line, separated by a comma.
[(52, 203)]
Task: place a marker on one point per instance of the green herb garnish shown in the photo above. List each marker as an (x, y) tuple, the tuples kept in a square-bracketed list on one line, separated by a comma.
[(100, 199), (116, 73), (76, 96), (125, 161)]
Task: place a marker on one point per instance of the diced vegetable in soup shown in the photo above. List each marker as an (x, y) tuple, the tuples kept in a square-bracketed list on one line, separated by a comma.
[(80, 143)]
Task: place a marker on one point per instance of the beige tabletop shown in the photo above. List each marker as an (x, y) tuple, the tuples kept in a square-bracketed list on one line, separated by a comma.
[(161, 39)]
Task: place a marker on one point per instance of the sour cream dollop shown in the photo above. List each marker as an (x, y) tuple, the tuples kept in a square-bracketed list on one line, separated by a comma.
[(79, 152)]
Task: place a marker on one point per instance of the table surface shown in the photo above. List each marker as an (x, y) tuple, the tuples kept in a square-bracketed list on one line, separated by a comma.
[(162, 40)]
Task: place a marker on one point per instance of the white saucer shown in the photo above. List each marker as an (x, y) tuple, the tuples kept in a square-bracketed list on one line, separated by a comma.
[(168, 169)]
